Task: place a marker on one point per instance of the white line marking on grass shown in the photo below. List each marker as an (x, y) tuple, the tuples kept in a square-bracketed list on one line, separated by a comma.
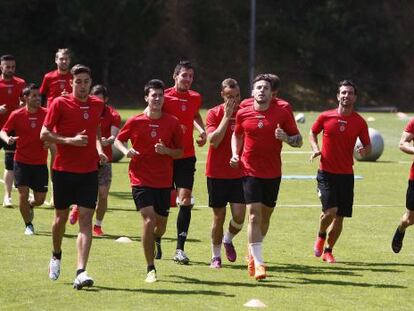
[(318, 205)]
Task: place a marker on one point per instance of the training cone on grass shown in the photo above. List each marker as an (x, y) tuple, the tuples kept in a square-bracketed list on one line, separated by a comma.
[(123, 239), (255, 303)]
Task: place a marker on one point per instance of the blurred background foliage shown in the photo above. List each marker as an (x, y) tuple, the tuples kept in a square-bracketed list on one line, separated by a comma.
[(311, 45)]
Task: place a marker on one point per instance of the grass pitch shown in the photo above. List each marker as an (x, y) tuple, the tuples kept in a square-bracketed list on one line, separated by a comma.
[(368, 276)]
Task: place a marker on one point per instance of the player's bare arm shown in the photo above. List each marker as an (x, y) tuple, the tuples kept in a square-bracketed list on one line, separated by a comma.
[(10, 140), (216, 137), (80, 139), (174, 153), (313, 140), (406, 143), (129, 153), (198, 123), (293, 141), (236, 145)]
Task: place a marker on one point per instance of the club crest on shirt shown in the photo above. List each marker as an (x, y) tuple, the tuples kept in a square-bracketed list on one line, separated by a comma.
[(342, 125), (86, 115), (33, 124), (183, 107), (260, 124), (9, 89), (153, 133)]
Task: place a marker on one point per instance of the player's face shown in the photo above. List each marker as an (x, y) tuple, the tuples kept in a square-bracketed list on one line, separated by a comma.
[(184, 79), (62, 61), (81, 85), (33, 99), (155, 99), (8, 68), (346, 96), (229, 94), (262, 92)]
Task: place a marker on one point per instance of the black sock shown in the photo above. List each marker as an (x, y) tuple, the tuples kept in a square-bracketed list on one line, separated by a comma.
[(29, 223), (183, 222), (327, 250), (57, 255), (322, 235), (151, 267), (79, 271), (158, 241)]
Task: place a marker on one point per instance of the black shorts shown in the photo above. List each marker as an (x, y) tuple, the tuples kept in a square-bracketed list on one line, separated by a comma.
[(36, 177), (159, 198), (261, 190), (75, 188), (223, 191), (184, 170), (336, 190), (8, 154), (409, 202)]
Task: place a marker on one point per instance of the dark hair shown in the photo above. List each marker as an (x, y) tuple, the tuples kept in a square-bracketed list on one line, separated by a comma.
[(275, 84), (186, 64), (78, 68), (154, 84), (7, 57), (230, 83), (28, 88), (99, 89), (261, 77), (348, 83)]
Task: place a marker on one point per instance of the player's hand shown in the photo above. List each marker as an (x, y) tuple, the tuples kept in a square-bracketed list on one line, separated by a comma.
[(280, 133), (160, 147), (132, 153), (105, 141), (234, 161), (103, 158), (229, 105), (3, 109), (314, 155), (202, 139), (362, 151), (80, 140), (12, 140)]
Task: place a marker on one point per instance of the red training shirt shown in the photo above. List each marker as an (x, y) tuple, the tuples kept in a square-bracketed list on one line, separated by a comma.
[(278, 101), (27, 126), (218, 159), (338, 141), (148, 168), (10, 92), (185, 107), (110, 117), (410, 129), (54, 84), (261, 149), (67, 116)]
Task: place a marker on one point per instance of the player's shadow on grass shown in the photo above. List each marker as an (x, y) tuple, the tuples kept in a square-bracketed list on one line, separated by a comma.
[(162, 291), (326, 269), (377, 264), (251, 283), (48, 233), (306, 281)]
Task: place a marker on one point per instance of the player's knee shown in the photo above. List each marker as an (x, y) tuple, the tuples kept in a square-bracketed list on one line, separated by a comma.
[(237, 223)]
